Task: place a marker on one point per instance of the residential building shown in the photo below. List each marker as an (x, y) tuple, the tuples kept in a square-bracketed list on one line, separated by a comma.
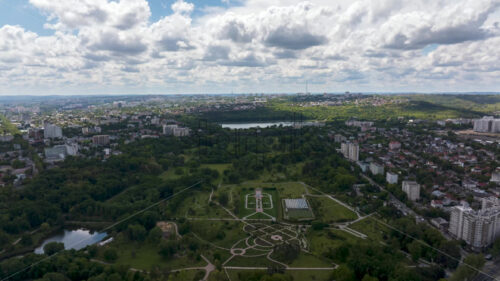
[(487, 124), (350, 150), (391, 178), (495, 176), (412, 189), (477, 228), (100, 140), (59, 152), (52, 131), (169, 129), (376, 169), (181, 132), (393, 145)]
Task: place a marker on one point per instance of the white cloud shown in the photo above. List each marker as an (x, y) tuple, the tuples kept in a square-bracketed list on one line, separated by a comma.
[(260, 45)]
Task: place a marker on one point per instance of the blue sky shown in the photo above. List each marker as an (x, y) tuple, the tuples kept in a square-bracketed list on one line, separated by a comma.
[(222, 46)]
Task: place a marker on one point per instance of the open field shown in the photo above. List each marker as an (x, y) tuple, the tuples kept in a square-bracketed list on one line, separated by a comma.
[(290, 190), (329, 211), (145, 256), (371, 228)]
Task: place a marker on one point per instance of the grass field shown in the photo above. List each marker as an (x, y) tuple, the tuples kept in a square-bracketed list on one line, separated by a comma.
[(321, 241), (290, 190), (329, 211), (299, 214), (144, 256), (371, 228), (197, 206), (222, 234), (308, 260)]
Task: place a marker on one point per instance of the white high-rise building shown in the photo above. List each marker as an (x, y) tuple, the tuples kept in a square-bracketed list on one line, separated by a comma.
[(391, 178), (52, 131), (477, 228), (487, 124), (412, 189)]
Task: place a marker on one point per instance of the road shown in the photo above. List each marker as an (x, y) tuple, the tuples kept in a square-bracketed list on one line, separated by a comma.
[(492, 270), (395, 201)]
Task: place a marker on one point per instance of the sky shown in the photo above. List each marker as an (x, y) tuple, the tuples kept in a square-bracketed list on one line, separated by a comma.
[(50, 47)]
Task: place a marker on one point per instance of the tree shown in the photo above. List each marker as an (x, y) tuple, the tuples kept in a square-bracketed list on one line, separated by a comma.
[(155, 235), (136, 232), (110, 255), (415, 250), (472, 263), (167, 249), (369, 278), (52, 248), (343, 273), (223, 199), (54, 276)]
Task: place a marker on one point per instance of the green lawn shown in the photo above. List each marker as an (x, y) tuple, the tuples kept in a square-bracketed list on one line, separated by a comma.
[(144, 256), (290, 190), (371, 228), (197, 206), (308, 260), (218, 167), (250, 262), (329, 211), (321, 241), (223, 234)]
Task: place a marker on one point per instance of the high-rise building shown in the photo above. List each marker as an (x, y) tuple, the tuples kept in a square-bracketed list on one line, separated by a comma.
[(391, 178), (477, 228), (100, 140), (412, 189), (52, 131), (350, 150), (487, 124)]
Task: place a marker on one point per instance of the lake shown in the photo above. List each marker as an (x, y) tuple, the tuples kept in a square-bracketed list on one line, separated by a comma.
[(255, 125), (74, 239)]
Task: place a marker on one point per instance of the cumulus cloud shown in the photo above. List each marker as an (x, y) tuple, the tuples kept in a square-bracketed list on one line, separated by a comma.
[(108, 44)]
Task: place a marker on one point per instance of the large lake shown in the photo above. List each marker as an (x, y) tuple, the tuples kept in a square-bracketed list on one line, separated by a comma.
[(74, 239), (255, 125)]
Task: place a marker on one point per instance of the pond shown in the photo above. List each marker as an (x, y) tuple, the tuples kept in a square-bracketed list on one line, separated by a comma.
[(74, 239), (255, 125)]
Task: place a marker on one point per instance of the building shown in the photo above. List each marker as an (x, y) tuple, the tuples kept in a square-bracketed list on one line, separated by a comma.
[(412, 189), (169, 129), (393, 145), (487, 124), (376, 169), (391, 178), (100, 140), (52, 131), (296, 204), (339, 138), (477, 228), (495, 176), (59, 152), (350, 150), (181, 132)]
